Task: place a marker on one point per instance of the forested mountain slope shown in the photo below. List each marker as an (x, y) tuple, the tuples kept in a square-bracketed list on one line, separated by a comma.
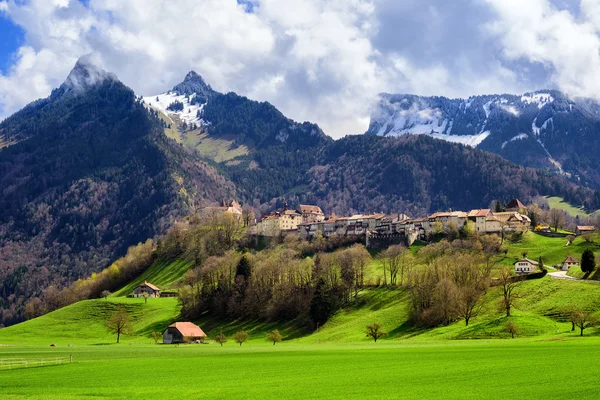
[(91, 175)]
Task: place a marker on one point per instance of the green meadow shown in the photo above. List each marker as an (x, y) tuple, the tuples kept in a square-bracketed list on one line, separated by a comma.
[(546, 359), (517, 368)]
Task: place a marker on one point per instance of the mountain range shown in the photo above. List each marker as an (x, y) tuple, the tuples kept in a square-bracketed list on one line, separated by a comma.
[(543, 129), (94, 168)]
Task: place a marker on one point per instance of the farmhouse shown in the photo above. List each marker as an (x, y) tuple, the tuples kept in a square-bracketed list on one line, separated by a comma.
[(582, 229), (147, 288), (526, 266), (180, 332), (568, 263)]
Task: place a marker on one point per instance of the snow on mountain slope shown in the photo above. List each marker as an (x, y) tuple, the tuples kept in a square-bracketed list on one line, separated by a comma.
[(191, 113), (469, 121)]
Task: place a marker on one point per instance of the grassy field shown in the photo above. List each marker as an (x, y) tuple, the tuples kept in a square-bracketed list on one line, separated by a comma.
[(83, 323), (164, 274), (553, 250), (436, 370), (337, 361), (559, 203)]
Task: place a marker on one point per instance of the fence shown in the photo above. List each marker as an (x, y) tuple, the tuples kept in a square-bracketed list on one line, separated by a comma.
[(17, 363)]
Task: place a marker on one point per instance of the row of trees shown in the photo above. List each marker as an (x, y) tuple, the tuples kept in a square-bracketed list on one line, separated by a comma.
[(276, 284)]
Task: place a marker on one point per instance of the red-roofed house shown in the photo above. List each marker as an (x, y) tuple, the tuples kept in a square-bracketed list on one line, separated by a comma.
[(180, 332)]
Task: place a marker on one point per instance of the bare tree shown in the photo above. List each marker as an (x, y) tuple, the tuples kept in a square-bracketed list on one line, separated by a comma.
[(105, 294), (508, 283), (119, 323), (391, 260), (247, 215), (557, 218), (240, 337), (374, 331)]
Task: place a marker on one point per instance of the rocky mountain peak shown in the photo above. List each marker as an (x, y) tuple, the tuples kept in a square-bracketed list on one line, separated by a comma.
[(193, 83), (86, 73)]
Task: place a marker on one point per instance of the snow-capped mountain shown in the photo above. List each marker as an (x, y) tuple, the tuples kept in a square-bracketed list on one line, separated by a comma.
[(544, 129), (186, 100)]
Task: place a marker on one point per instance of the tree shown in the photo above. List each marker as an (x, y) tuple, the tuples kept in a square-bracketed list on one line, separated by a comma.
[(508, 284), (583, 320), (511, 328), (374, 331), (240, 337), (468, 229), (557, 218), (391, 260), (145, 295), (221, 338), (274, 336), (322, 305), (119, 323), (588, 262), (247, 215), (156, 336), (244, 267), (105, 294), (498, 207)]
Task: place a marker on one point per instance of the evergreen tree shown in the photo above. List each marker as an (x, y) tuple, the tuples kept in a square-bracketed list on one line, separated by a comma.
[(244, 268), (588, 262), (321, 306), (498, 207)]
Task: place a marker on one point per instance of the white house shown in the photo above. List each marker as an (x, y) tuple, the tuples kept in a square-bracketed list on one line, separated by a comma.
[(568, 263), (526, 266)]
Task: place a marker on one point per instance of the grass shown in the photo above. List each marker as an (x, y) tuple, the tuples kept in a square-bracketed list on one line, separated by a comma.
[(83, 322), (553, 250), (164, 274), (218, 148), (436, 370), (559, 203), (338, 361)]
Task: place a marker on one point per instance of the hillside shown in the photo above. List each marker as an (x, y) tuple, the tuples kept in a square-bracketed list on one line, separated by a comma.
[(418, 175), (91, 175), (544, 129)]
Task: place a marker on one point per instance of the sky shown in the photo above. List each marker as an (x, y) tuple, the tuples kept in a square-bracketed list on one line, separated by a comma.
[(322, 61)]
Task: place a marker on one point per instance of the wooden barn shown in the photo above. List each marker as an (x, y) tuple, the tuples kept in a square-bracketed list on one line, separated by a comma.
[(148, 288), (179, 332)]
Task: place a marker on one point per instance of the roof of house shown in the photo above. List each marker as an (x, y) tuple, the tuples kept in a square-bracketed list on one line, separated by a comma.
[(527, 260), (308, 209), (570, 259), (586, 228), (479, 213), (151, 286), (515, 204), (188, 329)]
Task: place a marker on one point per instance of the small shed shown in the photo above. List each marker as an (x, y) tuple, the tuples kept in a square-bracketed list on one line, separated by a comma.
[(146, 287), (582, 229), (568, 263), (179, 332), (526, 266)]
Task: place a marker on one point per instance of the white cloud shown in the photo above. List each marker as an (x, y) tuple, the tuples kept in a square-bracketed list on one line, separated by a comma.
[(566, 46), (317, 60)]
